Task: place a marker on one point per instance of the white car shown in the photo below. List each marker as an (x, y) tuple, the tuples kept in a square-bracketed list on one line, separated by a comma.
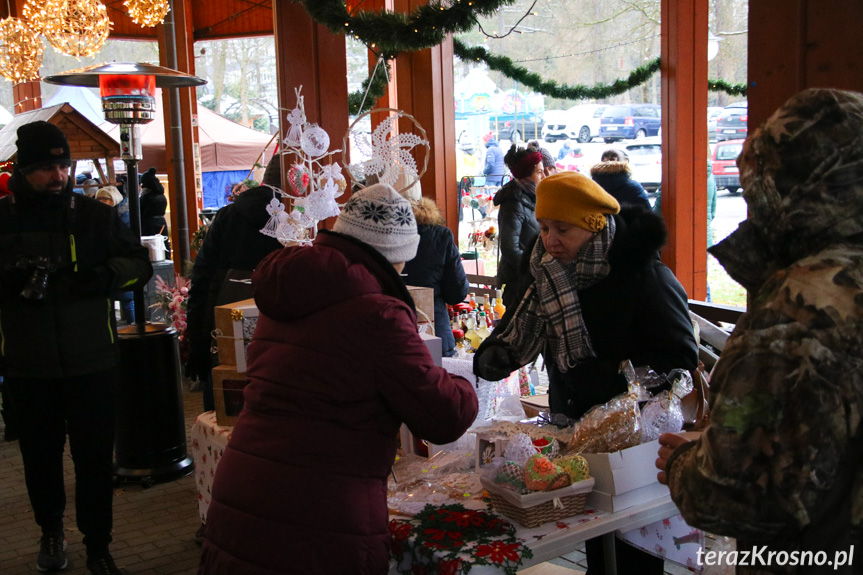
[(577, 123), (645, 158)]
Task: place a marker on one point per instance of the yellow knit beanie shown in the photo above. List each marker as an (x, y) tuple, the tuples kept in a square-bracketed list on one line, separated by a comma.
[(575, 199)]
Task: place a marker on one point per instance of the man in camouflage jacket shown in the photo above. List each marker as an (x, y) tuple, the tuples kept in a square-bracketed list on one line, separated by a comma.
[(781, 465)]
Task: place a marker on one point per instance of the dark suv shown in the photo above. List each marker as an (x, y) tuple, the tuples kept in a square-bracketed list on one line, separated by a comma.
[(731, 123), (630, 121)]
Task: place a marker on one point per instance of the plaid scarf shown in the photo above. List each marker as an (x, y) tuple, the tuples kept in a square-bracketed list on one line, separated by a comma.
[(548, 318)]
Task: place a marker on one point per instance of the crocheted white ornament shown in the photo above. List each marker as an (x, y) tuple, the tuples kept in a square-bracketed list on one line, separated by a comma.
[(387, 153), (519, 449)]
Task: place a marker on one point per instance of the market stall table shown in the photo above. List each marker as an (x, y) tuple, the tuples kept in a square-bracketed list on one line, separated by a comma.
[(557, 538)]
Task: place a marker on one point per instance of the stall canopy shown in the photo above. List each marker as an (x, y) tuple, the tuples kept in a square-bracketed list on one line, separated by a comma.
[(84, 100), (228, 150)]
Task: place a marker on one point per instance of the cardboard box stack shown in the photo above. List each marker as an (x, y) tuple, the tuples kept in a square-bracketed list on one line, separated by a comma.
[(424, 302), (235, 326)]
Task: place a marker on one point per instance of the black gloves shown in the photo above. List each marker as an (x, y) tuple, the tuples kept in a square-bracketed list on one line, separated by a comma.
[(200, 360), (93, 281), (493, 363)]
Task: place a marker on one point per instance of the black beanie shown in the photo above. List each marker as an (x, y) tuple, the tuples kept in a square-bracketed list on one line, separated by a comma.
[(41, 143), (151, 182)]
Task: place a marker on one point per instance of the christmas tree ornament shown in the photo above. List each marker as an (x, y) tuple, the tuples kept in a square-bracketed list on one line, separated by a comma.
[(388, 152)]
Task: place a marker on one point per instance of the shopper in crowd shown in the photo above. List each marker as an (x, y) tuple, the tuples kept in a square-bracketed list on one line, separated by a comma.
[(111, 196), (335, 363), (598, 295), (494, 168), (233, 246), (4, 184), (780, 465), (153, 206), (516, 219), (614, 174), (548, 165), (437, 264), (61, 255), (564, 150), (711, 208), (89, 187)]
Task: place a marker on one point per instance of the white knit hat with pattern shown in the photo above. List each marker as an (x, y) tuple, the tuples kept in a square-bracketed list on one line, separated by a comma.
[(383, 219)]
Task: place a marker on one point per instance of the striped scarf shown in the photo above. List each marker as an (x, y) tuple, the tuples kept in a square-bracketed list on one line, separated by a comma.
[(548, 319)]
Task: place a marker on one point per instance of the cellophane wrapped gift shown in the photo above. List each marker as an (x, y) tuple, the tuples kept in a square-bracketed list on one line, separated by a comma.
[(609, 427), (663, 413)]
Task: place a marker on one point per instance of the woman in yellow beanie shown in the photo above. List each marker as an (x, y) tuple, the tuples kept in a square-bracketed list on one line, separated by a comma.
[(599, 295)]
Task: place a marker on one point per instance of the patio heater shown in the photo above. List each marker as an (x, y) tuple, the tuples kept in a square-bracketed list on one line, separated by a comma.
[(150, 432)]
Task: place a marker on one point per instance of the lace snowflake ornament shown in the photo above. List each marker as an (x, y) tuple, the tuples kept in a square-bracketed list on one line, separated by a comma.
[(387, 151)]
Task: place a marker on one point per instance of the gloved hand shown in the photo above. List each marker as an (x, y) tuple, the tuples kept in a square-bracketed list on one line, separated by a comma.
[(200, 360), (493, 363), (93, 281)]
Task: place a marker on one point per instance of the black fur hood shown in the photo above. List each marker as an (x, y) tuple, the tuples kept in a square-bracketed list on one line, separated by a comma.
[(639, 235)]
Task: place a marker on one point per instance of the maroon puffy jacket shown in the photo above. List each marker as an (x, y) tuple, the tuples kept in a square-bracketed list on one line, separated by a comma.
[(336, 365)]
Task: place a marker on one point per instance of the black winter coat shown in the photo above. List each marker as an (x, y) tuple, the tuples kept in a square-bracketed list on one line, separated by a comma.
[(153, 205), (437, 265), (614, 177), (71, 330), (518, 230), (233, 242), (639, 312)]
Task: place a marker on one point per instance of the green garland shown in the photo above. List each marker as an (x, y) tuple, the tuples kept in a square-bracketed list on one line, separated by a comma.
[(723, 86), (391, 32), (551, 88), (378, 87)]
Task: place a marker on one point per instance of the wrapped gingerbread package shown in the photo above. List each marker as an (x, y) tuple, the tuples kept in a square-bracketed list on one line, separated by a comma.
[(609, 427)]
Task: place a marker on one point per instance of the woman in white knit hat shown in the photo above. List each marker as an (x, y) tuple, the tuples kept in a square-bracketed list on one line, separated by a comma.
[(334, 368)]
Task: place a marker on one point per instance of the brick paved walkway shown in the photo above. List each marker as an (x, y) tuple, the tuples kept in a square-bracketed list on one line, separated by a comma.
[(153, 528)]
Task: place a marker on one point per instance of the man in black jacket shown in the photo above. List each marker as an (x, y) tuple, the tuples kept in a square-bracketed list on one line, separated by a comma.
[(234, 243), (60, 256)]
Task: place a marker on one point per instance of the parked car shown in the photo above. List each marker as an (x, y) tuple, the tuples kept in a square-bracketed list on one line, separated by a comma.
[(731, 124), (577, 123), (574, 161), (516, 127), (645, 159), (712, 115), (724, 162), (630, 121)]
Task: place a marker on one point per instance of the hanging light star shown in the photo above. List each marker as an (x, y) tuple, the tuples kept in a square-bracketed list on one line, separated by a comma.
[(76, 27), (147, 12), (20, 51)]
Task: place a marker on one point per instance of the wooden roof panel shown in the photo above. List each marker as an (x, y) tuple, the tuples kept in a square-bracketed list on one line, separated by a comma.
[(212, 19)]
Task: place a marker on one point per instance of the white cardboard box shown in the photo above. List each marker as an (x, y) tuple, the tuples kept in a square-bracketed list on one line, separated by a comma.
[(614, 503), (624, 470), (435, 347)]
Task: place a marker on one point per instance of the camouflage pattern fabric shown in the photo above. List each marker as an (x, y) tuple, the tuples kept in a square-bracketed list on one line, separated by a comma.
[(780, 464)]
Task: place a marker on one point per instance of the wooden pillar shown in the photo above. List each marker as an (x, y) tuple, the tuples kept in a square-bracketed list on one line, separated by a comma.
[(309, 55), (808, 47), (26, 96), (426, 91), (191, 191), (684, 141)]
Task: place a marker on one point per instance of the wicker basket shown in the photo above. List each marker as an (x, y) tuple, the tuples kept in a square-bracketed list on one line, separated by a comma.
[(534, 509)]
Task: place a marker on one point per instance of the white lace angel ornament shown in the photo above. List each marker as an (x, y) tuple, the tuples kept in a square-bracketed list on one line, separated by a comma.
[(314, 185)]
